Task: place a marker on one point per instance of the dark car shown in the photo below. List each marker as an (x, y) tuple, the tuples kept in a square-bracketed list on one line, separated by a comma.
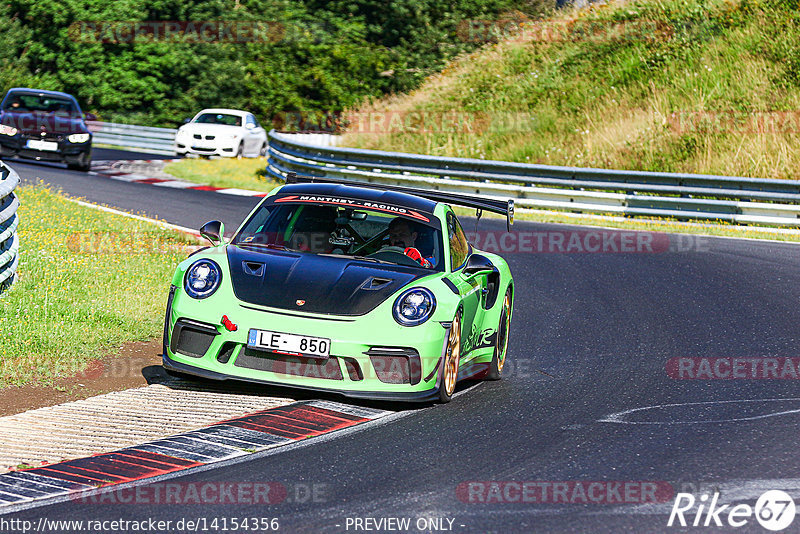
[(45, 126)]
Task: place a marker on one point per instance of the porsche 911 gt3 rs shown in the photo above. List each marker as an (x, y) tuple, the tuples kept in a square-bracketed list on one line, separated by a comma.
[(356, 289)]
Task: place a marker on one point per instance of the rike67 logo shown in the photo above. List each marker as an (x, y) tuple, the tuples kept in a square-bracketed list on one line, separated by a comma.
[(774, 510)]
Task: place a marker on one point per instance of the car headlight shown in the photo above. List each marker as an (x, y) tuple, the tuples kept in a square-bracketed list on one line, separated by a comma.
[(78, 138), (414, 306), (202, 279), (8, 130)]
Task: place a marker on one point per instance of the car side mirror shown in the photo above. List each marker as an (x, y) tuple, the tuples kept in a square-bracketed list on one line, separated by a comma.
[(213, 231), (478, 264), (90, 116), (249, 125), (187, 120)]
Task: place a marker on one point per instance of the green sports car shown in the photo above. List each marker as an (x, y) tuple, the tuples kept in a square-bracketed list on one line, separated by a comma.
[(363, 290)]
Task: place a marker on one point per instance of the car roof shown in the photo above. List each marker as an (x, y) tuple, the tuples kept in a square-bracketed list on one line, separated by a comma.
[(394, 198), (225, 111), (39, 92)]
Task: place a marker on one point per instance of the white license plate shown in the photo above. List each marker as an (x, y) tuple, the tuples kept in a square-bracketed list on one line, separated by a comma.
[(278, 341), (42, 145)]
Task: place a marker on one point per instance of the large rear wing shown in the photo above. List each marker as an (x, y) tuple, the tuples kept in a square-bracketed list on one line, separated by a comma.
[(503, 207)]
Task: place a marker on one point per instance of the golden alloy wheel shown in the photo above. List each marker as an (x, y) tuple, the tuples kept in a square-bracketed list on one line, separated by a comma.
[(502, 335), (452, 356)]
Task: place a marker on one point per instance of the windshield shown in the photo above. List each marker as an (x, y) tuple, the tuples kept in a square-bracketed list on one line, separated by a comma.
[(219, 118), (369, 235), (30, 103)]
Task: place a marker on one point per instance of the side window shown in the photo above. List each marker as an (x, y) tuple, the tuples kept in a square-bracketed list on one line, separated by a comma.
[(459, 247), (251, 121)]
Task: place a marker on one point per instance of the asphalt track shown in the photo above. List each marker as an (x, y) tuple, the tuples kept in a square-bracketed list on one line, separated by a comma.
[(591, 336)]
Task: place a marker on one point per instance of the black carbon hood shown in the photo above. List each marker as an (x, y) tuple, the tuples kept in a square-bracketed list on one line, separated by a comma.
[(325, 284)]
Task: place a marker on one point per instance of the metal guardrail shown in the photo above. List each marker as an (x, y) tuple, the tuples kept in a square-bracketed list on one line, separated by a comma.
[(155, 140), (9, 239), (583, 190)]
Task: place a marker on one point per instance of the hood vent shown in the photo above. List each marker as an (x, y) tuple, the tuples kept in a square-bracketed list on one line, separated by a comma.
[(374, 282), (253, 268)]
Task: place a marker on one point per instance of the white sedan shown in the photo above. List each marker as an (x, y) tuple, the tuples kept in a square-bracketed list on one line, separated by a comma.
[(222, 132)]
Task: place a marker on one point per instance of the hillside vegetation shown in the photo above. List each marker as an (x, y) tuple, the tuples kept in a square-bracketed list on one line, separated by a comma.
[(155, 62), (708, 86)]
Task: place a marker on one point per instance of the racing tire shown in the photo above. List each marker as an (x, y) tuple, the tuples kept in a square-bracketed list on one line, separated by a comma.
[(78, 167), (240, 151), (501, 339), (263, 151), (452, 358), (83, 165)]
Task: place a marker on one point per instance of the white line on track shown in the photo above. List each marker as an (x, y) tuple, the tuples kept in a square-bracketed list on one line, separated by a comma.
[(619, 417)]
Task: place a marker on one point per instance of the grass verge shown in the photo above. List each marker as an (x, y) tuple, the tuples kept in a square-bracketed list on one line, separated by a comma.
[(244, 173), (88, 281)]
